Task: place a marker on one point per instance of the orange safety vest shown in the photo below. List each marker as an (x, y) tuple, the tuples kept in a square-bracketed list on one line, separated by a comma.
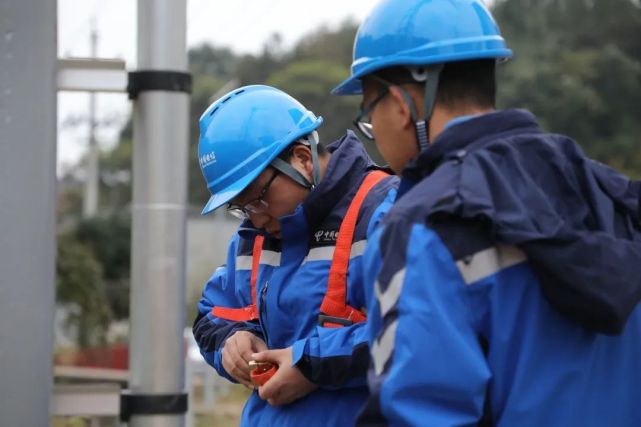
[(334, 309)]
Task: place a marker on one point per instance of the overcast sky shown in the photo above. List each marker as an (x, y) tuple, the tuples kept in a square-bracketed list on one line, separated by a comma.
[(242, 25)]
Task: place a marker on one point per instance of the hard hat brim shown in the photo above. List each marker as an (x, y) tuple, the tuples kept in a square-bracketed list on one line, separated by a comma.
[(421, 56), (235, 187), (224, 196)]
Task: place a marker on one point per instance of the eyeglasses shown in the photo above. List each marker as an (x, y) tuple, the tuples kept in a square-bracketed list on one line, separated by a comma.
[(256, 206), (363, 122)]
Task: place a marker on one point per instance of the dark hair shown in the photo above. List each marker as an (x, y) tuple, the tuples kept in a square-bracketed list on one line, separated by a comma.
[(288, 152), (460, 83)]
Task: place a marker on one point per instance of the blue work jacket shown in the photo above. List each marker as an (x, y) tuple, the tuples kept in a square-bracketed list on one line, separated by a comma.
[(505, 284), (290, 286)]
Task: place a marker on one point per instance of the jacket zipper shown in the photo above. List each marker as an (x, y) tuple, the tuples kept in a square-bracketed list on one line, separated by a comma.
[(263, 312)]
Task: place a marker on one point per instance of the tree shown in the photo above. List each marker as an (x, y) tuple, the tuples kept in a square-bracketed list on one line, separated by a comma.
[(115, 175), (577, 66), (310, 81), (108, 239), (81, 289)]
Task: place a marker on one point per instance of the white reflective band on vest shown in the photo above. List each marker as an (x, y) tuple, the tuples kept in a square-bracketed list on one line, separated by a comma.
[(387, 300), (488, 262), (244, 262), (383, 347), (326, 253), (270, 258)]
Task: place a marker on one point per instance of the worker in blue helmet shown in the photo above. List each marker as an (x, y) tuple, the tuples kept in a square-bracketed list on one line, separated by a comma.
[(503, 285), (285, 314)]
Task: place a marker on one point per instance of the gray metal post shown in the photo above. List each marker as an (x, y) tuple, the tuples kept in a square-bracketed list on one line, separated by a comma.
[(159, 212), (90, 197), (27, 209)]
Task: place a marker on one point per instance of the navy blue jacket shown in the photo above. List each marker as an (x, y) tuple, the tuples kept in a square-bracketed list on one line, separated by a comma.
[(505, 264), (540, 192), (291, 284)]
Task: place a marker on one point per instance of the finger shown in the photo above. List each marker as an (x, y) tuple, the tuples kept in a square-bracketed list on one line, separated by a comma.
[(236, 366), (258, 344), (245, 346), (273, 387), (248, 384), (239, 347), (268, 393), (228, 363), (240, 372), (239, 360), (261, 356), (277, 400), (231, 350), (234, 372), (266, 356), (245, 383)]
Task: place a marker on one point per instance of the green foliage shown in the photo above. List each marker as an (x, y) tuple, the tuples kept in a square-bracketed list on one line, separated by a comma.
[(331, 45), (69, 203), (115, 174), (577, 66), (212, 61), (204, 87), (308, 72), (310, 81), (80, 287), (109, 238)]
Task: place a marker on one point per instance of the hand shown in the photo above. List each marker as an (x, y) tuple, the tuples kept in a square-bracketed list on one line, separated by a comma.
[(288, 383), (237, 352)]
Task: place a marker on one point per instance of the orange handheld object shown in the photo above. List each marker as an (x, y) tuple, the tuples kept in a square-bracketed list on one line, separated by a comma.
[(261, 372)]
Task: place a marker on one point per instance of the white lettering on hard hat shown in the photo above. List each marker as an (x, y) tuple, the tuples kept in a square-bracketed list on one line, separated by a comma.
[(207, 159)]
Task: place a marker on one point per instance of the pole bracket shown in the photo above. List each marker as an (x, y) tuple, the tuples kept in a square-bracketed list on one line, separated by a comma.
[(146, 80), (151, 404), (92, 75)]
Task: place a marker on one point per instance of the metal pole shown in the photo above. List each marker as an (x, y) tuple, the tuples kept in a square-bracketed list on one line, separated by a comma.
[(27, 209), (90, 199), (159, 212)]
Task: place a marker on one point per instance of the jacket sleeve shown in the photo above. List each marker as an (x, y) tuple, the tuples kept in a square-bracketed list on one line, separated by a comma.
[(339, 357), (227, 287), (334, 357), (428, 365)]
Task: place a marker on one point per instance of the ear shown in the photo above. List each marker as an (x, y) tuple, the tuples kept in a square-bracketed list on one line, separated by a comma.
[(400, 107), (302, 160)]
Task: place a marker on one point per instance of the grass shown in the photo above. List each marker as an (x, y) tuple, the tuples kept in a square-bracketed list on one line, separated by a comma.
[(226, 410)]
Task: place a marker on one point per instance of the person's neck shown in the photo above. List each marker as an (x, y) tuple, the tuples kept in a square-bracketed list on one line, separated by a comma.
[(442, 116), (323, 161)]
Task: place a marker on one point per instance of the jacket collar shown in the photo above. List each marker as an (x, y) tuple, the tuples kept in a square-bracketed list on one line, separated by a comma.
[(455, 140), (348, 163), (345, 170)]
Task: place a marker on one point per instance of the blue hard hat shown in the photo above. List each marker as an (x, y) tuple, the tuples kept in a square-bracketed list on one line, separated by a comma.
[(422, 32), (242, 133)]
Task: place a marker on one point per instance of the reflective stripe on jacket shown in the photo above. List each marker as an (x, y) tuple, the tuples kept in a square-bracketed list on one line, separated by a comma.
[(291, 284), (506, 258)]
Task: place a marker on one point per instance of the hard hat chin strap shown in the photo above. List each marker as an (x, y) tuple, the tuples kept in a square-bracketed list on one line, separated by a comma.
[(312, 139), (430, 75), (285, 168)]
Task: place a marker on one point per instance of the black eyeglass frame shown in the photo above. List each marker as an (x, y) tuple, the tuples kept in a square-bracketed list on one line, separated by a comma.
[(363, 121), (257, 205)]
